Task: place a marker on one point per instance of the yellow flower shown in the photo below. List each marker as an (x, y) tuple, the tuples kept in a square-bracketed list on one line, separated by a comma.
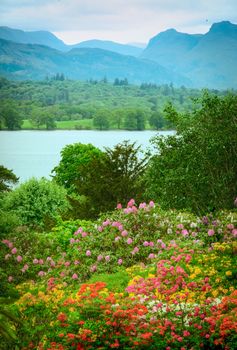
[(228, 273)]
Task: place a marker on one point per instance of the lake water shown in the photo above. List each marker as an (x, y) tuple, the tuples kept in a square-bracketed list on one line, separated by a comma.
[(36, 153)]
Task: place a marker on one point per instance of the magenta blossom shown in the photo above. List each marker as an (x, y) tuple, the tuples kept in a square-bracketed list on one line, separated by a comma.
[(129, 240), (74, 276), (35, 261), (93, 268), (41, 273), (211, 232), (19, 258), (124, 233), (14, 251), (119, 206), (107, 258), (99, 257), (88, 253), (131, 203), (120, 261)]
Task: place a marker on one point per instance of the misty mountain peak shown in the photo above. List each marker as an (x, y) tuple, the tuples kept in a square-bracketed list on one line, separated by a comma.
[(224, 27)]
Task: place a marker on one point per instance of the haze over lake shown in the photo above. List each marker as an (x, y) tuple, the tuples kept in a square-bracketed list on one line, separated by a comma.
[(36, 153)]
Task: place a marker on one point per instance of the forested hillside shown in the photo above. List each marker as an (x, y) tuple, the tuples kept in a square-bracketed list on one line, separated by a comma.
[(61, 103)]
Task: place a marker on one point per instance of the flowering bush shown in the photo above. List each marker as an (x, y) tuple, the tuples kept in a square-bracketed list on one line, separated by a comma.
[(140, 278)]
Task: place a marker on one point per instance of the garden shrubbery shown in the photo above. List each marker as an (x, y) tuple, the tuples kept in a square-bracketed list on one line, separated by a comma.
[(138, 278)]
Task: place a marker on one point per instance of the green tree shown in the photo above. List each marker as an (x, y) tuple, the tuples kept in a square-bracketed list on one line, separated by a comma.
[(197, 168), (43, 117), (156, 120), (37, 202), (10, 116), (115, 177), (7, 179), (101, 120), (73, 157), (135, 120)]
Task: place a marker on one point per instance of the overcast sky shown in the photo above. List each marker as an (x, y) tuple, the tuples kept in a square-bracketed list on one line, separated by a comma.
[(118, 20)]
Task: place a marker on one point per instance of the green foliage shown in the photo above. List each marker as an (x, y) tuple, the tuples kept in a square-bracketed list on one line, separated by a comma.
[(96, 180), (7, 178), (8, 222), (7, 324), (197, 168), (47, 102), (73, 157), (10, 116), (37, 201), (101, 120), (135, 120)]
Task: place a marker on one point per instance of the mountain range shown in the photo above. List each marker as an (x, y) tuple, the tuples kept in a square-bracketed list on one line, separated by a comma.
[(198, 60)]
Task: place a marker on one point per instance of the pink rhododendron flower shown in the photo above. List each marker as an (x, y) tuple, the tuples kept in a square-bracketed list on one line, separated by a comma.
[(234, 232), (117, 238), (142, 205), (41, 273), (146, 244), (74, 276), (72, 240), (151, 204), (35, 261), (14, 251), (106, 222), (129, 240), (41, 261), (88, 253), (124, 233), (120, 261), (67, 263), (135, 250), (151, 244), (180, 226), (25, 267), (230, 226), (84, 234), (184, 232), (99, 257), (93, 268), (100, 228), (107, 258), (151, 256), (76, 262), (19, 258), (119, 206), (211, 232), (131, 203)]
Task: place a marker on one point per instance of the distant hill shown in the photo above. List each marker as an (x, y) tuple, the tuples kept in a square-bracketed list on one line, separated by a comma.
[(29, 61), (49, 39), (37, 37), (208, 60), (111, 46), (198, 60)]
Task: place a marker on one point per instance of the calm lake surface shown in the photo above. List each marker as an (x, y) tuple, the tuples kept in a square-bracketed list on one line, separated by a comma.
[(36, 153)]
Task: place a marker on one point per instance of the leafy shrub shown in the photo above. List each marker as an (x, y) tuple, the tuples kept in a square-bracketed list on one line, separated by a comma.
[(197, 168), (36, 201)]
